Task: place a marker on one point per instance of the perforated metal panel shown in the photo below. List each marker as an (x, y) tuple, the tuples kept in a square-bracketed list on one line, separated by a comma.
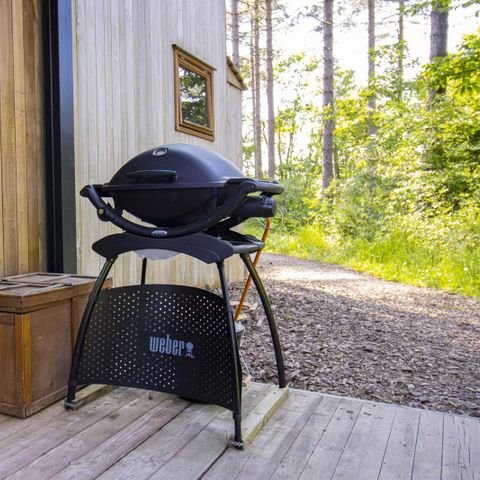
[(168, 338)]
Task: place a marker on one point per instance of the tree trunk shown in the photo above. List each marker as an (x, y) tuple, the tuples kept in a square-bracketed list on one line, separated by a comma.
[(438, 39), (252, 85), (271, 111), (328, 99), (401, 39), (371, 66), (235, 34), (256, 86)]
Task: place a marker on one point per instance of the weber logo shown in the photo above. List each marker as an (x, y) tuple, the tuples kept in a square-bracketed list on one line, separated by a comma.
[(159, 233), (171, 347)]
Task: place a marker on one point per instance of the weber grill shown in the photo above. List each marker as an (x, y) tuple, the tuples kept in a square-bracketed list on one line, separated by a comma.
[(172, 338), (180, 189)]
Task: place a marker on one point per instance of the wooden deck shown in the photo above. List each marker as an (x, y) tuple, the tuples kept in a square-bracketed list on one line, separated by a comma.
[(137, 434)]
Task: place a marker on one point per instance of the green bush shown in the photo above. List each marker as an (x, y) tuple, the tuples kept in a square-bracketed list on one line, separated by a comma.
[(406, 203)]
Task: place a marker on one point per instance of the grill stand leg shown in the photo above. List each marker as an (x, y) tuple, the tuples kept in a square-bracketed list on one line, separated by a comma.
[(144, 271), (270, 317), (92, 300), (236, 366)]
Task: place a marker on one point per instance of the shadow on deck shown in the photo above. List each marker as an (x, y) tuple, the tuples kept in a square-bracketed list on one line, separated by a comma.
[(136, 434)]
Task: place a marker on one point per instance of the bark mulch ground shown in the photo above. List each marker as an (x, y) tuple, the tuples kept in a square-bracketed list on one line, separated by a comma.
[(352, 334)]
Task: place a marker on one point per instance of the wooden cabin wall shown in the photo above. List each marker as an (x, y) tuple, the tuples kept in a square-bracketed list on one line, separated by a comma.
[(22, 218), (124, 104)]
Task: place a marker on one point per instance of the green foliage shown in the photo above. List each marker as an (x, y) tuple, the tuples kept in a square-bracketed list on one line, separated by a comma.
[(406, 205)]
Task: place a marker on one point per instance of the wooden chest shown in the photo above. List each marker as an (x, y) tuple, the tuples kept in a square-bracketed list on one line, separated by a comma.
[(39, 318)]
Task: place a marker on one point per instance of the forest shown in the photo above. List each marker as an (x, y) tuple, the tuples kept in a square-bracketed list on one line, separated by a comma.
[(382, 174)]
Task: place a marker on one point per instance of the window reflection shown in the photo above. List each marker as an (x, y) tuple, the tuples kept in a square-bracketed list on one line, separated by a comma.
[(193, 97)]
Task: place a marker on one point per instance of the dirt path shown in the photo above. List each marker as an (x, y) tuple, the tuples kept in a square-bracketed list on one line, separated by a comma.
[(352, 334)]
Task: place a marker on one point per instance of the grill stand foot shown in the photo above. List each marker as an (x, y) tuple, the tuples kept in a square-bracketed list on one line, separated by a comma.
[(237, 440)]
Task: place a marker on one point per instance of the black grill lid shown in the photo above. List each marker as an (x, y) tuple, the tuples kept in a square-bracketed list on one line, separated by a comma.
[(175, 166), (181, 189)]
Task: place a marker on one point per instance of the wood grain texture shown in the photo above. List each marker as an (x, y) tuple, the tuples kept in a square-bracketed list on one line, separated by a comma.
[(8, 392), (206, 447), (148, 457), (22, 205), (329, 449), (89, 394), (427, 463), (261, 414), (92, 464), (461, 448), (365, 448), (170, 446), (128, 435), (27, 425), (304, 445), (51, 349), (398, 459), (28, 444), (37, 339), (266, 452), (66, 453), (124, 104)]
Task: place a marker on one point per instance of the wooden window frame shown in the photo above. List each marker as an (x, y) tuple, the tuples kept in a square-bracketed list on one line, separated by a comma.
[(187, 60)]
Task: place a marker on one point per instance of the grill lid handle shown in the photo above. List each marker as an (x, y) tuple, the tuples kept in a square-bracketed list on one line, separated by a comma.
[(149, 175), (106, 213), (272, 188)]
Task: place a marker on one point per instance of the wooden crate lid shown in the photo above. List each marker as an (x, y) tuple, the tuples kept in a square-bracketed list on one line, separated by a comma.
[(36, 277), (81, 284), (24, 297)]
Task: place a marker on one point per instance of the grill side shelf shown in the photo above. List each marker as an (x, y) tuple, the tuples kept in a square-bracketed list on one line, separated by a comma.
[(206, 248)]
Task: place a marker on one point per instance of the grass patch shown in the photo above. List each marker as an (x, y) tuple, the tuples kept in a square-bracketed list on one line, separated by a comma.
[(399, 255)]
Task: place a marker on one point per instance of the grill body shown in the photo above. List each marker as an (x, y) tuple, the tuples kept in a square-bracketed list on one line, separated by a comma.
[(179, 190)]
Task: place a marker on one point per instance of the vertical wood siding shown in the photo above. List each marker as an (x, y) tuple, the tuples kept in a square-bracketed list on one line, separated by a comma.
[(124, 104), (22, 219)]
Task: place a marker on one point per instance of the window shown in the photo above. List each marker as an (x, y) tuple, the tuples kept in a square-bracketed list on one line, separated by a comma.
[(193, 95)]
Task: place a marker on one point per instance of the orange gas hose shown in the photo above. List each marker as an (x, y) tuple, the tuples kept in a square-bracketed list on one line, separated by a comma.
[(249, 279)]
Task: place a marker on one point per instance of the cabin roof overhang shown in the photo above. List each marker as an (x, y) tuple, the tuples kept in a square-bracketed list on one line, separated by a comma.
[(233, 76)]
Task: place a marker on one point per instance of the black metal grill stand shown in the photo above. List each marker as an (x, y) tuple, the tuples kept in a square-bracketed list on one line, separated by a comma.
[(168, 338)]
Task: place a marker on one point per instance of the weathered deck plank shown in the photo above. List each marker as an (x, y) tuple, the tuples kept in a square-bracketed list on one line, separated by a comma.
[(461, 448), (364, 451), (78, 445), (96, 461), (170, 442), (326, 455), (148, 457), (133, 434), (304, 445), (24, 446), (398, 459), (427, 462), (206, 448), (11, 425), (269, 448)]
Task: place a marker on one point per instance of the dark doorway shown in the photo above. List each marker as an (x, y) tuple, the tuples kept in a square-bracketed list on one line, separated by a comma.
[(59, 135)]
